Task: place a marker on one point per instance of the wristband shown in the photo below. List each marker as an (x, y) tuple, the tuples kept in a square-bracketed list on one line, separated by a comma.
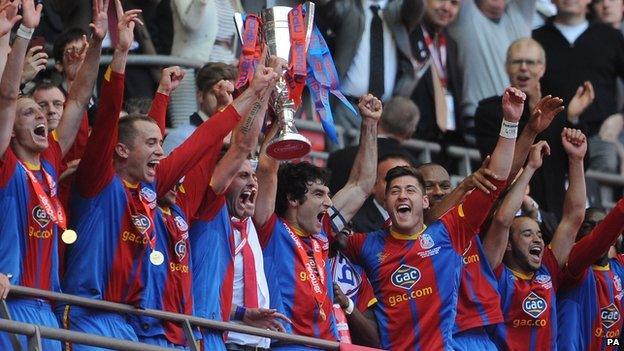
[(25, 32), (240, 313), (349, 308), (509, 130)]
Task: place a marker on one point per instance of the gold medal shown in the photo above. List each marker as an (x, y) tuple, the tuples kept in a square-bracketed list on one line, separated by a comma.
[(157, 258), (69, 236)]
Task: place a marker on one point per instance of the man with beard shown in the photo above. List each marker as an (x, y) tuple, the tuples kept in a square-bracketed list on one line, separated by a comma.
[(589, 304), (530, 275)]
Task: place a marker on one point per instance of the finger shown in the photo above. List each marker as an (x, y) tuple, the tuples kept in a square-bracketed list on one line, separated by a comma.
[(579, 91), (278, 327), (486, 183), (38, 9), (95, 6), (481, 187), (263, 56), (486, 162), (138, 21), (5, 6), (32, 50), (105, 6), (590, 88), (283, 317), (16, 19), (119, 9)]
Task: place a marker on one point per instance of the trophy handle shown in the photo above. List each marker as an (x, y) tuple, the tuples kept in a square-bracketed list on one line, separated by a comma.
[(240, 25), (309, 22)]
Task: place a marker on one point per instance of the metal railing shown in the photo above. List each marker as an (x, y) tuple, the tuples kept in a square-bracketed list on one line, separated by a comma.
[(34, 333)]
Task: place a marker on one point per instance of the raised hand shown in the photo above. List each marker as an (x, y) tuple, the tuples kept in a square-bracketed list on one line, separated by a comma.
[(513, 104), (534, 95), (544, 113), (125, 26), (31, 14), (100, 19), (36, 61), (537, 153), (264, 78), (370, 107), (265, 318), (574, 143), (170, 79), (8, 16), (480, 179), (75, 57), (583, 97), (223, 92)]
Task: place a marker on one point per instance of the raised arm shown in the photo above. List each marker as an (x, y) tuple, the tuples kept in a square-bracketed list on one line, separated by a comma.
[(8, 19), (575, 145), (170, 78), (495, 239), (266, 173), (82, 87), (9, 84)]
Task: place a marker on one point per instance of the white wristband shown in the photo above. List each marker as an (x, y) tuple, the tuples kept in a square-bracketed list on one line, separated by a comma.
[(509, 130), (349, 308), (25, 32)]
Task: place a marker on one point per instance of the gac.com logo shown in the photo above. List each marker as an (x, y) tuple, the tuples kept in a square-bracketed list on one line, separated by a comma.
[(405, 276), (534, 305), (609, 316)]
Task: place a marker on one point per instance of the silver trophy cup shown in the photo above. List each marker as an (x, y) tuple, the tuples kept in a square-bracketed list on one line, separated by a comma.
[(287, 143)]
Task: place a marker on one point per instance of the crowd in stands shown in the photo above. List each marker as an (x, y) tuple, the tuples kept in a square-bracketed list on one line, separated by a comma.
[(105, 195)]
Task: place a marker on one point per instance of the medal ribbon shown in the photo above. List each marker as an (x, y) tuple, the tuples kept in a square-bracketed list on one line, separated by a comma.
[(316, 281), (51, 204), (250, 54), (148, 208), (296, 75), (172, 228), (439, 60)]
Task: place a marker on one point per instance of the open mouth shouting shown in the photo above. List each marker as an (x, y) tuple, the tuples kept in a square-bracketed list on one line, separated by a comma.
[(248, 196), (535, 253), (151, 167), (403, 211)]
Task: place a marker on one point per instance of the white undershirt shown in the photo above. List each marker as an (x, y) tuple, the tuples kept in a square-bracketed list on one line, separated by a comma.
[(571, 33)]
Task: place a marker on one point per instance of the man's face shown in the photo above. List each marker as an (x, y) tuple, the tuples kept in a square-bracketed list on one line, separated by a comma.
[(571, 7), (492, 9), (30, 128), (379, 189), (609, 11), (405, 202), (73, 57), (145, 152), (52, 102), (241, 194), (437, 183), (310, 211), (441, 13), (526, 246), (525, 67)]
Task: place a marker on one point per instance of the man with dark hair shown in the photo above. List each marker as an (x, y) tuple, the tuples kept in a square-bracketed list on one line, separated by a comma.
[(398, 122), (51, 99), (215, 84), (296, 220), (414, 267)]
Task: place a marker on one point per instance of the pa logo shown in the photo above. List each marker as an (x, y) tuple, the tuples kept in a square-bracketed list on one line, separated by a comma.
[(40, 216), (609, 316), (534, 305), (426, 242), (141, 222), (181, 223), (149, 195), (542, 279), (405, 277), (617, 283), (180, 249)]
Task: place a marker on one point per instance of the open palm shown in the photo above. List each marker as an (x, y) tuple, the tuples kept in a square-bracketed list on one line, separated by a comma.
[(8, 16), (100, 19), (513, 104), (544, 113)]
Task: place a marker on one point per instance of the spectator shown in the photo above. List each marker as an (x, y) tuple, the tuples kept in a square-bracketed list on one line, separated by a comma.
[(52, 101), (215, 83), (366, 36), (399, 120), (484, 30), (525, 65), (438, 92)]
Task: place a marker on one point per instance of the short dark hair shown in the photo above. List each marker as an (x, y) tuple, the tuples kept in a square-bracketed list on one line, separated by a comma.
[(400, 117), (293, 180), (212, 72), (66, 37), (405, 156), (127, 130), (403, 171), (46, 85)]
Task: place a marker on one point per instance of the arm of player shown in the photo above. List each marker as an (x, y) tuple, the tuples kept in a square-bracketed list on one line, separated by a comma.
[(9, 84), (190, 12), (125, 29), (361, 180), (575, 145), (8, 19), (267, 185), (170, 79), (495, 239), (362, 325), (82, 87), (597, 242), (263, 318), (542, 116), (183, 158)]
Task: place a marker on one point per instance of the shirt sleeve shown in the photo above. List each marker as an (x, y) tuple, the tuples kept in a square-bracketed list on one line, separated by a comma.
[(266, 231), (77, 149), (550, 262), (464, 221), (355, 242), (7, 167), (184, 157), (158, 111), (366, 295), (597, 242), (95, 170)]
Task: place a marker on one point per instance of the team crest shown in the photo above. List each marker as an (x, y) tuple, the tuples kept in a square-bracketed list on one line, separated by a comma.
[(534, 305), (426, 242), (180, 249), (346, 276), (181, 223), (40, 216), (141, 222), (609, 316), (149, 195), (617, 283), (405, 276)]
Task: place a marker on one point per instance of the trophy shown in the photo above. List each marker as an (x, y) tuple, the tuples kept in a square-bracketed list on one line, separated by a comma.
[(275, 32)]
